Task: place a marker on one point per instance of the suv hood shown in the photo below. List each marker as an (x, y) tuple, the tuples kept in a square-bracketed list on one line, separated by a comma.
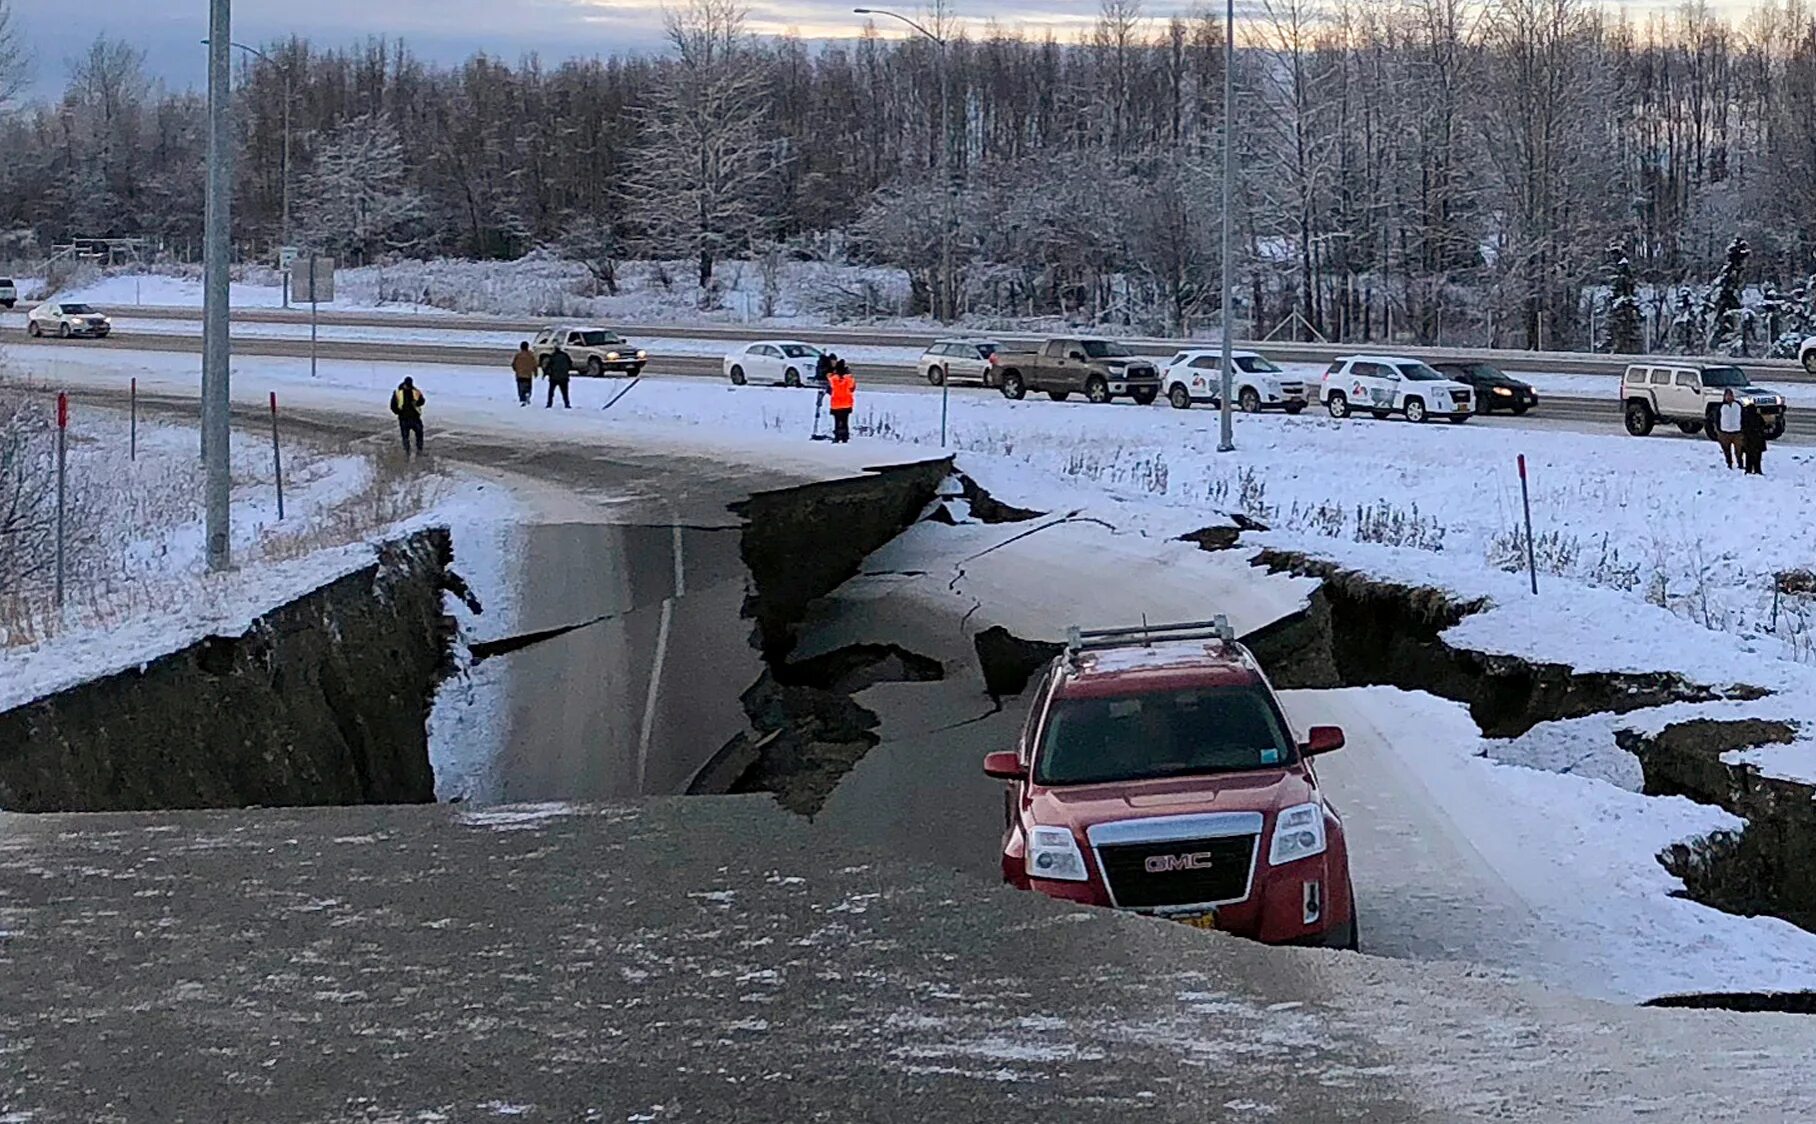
[(1080, 806)]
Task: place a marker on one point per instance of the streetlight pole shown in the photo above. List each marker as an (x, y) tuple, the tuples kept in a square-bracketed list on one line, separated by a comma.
[(217, 228), (1227, 441), (284, 225), (945, 300)]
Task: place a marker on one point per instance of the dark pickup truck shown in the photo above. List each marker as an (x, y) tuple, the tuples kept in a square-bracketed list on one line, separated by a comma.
[(1099, 369)]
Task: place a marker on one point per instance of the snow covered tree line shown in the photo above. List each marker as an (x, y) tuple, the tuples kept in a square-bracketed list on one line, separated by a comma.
[(1425, 170)]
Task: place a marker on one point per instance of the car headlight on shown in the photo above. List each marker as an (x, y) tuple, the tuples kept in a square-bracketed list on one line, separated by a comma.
[(612, 355), (1298, 834), (641, 354), (1747, 401), (1053, 853), (1504, 392)]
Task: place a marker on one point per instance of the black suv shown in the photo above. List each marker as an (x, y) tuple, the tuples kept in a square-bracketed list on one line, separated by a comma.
[(1495, 389)]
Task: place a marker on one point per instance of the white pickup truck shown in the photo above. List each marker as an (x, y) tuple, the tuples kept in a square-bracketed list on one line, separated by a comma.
[(1391, 384)]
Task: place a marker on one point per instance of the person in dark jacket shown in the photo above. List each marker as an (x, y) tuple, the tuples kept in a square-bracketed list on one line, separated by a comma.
[(559, 367), (823, 366), (407, 403), (524, 366), (1752, 439)]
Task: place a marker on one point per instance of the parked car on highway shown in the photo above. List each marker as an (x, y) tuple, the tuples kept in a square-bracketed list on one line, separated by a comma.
[(1158, 773), (9, 293), (1494, 388), (1688, 396), (595, 351), (1806, 354), (1097, 368), (65, 319), (1390, 384), (1197, 376), (789, 362), (960, 361)]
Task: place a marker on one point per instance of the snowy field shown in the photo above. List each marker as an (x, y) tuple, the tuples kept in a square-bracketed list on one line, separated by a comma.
[(1652, 557)]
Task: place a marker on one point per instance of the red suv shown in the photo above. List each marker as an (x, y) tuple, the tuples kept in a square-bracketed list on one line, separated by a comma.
[(1157, 773)]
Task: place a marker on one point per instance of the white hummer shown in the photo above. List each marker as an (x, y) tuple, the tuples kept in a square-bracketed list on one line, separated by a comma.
[(1390, 384), (1689, 394)]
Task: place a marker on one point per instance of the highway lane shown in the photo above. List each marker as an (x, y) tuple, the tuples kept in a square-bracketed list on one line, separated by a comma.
[(1563, 411), (1540, 362)]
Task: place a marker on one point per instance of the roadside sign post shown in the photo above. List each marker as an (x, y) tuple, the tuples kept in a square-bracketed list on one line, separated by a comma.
[(1526, 502), (945, 396), (62, 475), (318, 273), (286, 260), (277, 458)]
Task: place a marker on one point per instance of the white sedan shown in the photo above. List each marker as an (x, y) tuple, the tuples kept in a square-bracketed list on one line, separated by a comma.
[(65, 319), (789, 362), (1197, 376)]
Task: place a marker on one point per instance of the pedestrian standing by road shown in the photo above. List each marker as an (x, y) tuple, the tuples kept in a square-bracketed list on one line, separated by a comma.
[(524, 365), (1752, 439), (823, 366), (559, 367), (407, 403), (842, 389), (1727, 431)]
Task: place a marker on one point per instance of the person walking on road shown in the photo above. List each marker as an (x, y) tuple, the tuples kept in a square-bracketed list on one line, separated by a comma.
[(1727, 431), (407, 403), (560, 366), (524, 366), (842, 389), (1752, 439)]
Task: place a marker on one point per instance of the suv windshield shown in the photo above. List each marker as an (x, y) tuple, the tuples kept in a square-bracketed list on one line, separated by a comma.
[(1419, 372), (1177, 733), (800, 351), (1724, 376), (1104, 349), (600, 339), (1255, 365), (76, 310)]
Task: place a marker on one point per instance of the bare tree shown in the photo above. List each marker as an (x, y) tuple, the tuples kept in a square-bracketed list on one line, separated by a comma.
[(15, 67), (357, 201), (707, 155)]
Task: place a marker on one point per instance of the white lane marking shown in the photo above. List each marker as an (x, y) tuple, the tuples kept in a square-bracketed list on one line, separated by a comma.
[(655, 691)]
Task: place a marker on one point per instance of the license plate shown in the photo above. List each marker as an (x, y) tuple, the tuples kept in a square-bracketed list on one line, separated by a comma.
[(1200, 920)]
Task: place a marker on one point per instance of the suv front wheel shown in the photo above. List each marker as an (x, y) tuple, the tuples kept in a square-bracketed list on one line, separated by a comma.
[(1639, 418), (1415, 410)]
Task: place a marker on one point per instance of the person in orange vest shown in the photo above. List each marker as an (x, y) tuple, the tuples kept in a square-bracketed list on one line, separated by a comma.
[(842, 388)]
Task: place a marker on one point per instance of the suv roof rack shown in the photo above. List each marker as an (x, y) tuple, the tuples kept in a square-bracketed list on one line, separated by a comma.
[(1081, 640)]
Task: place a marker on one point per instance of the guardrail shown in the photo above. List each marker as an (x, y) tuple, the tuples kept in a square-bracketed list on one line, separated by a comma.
[(1537, 362)]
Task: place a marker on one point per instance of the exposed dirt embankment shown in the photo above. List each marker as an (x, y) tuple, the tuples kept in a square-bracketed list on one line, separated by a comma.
[(1360, 631), (324, 700), (800, 544), (1764, 868)]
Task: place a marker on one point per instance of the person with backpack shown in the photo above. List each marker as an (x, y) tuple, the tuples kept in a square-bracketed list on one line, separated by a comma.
[(559, 367), (407, 403), (822, 366), (841, 390), (524, 366)]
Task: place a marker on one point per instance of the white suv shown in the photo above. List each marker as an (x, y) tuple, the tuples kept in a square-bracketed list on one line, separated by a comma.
[(1197, 376), (9, 293), (593, 350), (65, 319), (1390, 384)]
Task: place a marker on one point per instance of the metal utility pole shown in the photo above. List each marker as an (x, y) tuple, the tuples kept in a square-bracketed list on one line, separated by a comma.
[(945, 300), (217, 228), (1227, 436), (284, 225)]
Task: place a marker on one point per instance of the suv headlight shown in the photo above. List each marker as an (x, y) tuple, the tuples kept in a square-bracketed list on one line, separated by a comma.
[(1053, 853), (641, 354), (1298, 834)]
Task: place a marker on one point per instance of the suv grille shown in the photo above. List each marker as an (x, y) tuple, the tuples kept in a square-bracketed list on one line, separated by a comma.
[(1179, 872)]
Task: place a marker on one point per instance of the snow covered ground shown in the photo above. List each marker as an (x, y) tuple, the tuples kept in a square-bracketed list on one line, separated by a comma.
[(1652, 558)]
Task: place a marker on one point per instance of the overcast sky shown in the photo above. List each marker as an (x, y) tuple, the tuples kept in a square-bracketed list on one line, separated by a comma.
[(449, 30)]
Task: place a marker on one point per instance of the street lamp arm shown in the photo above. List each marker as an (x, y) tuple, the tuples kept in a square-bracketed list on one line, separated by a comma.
[(244, 47), (902, 18)]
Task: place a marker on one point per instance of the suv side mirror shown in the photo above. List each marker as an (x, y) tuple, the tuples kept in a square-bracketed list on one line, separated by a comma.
[(1004, 765), (1322, 739)]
